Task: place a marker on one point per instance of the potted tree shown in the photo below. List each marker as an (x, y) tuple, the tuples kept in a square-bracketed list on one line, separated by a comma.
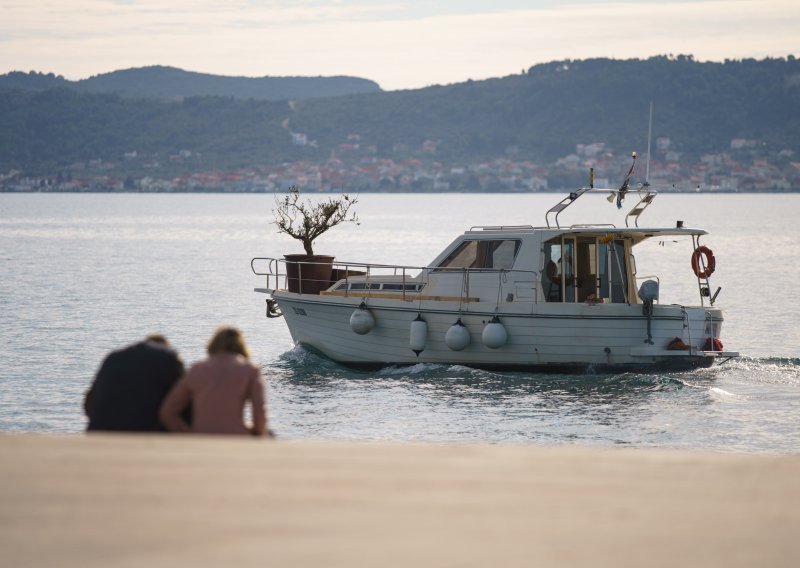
[(310, 273)]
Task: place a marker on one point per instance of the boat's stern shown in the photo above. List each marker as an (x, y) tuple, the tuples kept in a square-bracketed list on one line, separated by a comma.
[(696, 342)]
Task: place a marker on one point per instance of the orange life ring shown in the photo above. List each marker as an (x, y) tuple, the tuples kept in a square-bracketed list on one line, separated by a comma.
[(709, 262)]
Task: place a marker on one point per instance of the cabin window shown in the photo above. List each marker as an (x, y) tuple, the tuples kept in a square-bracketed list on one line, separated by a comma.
[(406, 287), (364, 286), (584, 269), (496, 255)]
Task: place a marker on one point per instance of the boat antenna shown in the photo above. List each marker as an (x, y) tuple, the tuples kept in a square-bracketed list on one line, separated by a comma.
[(649, 139), (623, 189)]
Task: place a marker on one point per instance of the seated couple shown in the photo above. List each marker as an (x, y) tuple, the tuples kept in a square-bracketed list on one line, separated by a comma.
[(143, 388)]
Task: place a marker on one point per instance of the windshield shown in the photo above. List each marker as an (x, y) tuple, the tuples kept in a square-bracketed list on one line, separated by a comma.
[(486, 254)]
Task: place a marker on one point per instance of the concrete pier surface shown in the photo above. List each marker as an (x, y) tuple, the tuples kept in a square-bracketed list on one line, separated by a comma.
[(163, 501)]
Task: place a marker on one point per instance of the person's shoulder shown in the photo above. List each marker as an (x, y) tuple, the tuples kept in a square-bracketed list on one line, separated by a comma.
[(153, 353), (156, 349), (245, 362), (155, 346), (200, 365), (233, 360), (126, 352), (251, 367)]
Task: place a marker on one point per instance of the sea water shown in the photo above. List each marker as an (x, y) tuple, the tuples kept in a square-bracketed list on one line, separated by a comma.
[(83, 274)]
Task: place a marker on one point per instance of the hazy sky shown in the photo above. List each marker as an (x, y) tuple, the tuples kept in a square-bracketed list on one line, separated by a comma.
[(398, 43)]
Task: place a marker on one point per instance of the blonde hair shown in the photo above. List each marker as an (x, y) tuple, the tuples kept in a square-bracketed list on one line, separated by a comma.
[(228, 340)]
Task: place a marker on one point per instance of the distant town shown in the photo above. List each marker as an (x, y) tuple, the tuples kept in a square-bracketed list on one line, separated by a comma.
[(355, 167)]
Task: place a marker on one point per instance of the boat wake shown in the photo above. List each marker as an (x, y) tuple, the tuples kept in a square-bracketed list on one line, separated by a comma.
[(454, 402), (716, 391), (303, 367), (418, 369)]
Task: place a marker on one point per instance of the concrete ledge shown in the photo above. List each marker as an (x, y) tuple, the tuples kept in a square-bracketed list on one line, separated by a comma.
[(153, 501)]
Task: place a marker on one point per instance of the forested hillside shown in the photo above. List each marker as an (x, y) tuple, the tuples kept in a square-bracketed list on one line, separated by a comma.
[(538, 115), (547, 111), (170, 83)]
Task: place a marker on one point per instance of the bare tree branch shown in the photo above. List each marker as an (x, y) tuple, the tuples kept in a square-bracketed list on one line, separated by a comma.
[(305, 221)]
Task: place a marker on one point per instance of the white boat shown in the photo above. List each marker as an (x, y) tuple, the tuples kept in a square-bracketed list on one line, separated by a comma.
[(551, 298)]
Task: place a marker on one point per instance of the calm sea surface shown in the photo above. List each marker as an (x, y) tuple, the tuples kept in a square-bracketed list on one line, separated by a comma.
[(85, 274)]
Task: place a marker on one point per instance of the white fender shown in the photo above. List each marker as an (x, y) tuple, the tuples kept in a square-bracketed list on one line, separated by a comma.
[(457, 337), (418, 335), (494, 334), (361, 320)]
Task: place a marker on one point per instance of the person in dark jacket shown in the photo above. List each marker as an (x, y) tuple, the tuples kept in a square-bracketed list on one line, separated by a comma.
[(131, 385)]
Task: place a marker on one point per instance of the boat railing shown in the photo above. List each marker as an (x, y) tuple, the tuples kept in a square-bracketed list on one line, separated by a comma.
[(503, 227), (386, 280), (646, 197), (304, 276), (592, 225)]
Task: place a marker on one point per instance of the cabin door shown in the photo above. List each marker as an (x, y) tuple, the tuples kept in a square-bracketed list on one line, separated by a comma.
[(571, 267), (580, 268), (559, 281), (586, 269), (613, 271)]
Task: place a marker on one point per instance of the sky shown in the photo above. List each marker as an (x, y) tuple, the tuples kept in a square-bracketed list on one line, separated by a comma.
[(400, 44)]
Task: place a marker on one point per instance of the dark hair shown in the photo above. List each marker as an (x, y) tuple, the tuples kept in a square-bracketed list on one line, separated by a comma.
[(157, 338)]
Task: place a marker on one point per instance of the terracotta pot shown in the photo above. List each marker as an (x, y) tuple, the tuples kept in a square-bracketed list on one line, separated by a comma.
[(308, 274)]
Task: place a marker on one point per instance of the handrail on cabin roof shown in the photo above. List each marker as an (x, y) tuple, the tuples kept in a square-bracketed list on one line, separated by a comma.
[(638, 209)]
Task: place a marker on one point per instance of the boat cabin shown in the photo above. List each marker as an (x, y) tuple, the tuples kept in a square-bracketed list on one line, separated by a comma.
[(592, 264)]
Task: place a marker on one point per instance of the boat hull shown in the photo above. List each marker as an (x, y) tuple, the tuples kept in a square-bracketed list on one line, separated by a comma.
[(571, 338)]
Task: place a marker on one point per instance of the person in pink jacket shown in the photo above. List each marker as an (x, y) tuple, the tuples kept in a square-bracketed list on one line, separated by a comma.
[(218, 389)]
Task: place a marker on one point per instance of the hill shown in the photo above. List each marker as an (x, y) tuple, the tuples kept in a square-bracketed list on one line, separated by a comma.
[(539, 116), (170, 83), (33, 81), (547, 111)]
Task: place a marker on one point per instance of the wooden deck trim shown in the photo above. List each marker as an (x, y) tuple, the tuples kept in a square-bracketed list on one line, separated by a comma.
[(408, 296)]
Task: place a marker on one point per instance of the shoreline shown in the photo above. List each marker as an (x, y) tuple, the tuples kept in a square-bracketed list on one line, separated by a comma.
[(172, 500), (688, 191)]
